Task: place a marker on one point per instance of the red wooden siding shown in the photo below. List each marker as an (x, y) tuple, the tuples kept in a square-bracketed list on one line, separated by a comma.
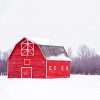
[(26, 72), (16, 61), (58, 69)]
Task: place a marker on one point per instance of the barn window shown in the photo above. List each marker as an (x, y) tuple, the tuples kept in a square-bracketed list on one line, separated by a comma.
[(62, 67), (49, 67), (27, 48), (54, 67), (66, 67), (26, 61)]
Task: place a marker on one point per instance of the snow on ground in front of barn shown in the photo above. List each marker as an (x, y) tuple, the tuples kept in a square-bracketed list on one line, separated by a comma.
[(78, 87)]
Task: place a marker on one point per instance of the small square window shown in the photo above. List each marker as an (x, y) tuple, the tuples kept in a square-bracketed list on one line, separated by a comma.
[(26, 61), (54, 67), (62, 67), (66, 67), (49, 67)]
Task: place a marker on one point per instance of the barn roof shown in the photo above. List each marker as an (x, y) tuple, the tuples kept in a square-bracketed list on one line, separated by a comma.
[(54, 52)]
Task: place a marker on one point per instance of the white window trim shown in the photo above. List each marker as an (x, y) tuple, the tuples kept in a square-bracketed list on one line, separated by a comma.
[(27, 49), (26, 67), (55, 67), (62, 67), (27, 60), (49, 67), (66, 67)]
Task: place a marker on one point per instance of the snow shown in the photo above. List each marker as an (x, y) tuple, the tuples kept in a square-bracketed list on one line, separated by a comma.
[(59, 57), (37, 40), (78, 87)]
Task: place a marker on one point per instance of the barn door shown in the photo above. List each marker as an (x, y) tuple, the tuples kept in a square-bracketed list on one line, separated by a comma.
[(26, 72)]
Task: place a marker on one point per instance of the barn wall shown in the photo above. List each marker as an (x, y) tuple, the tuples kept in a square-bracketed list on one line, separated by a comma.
[(58, 73), (16, 61), (39, 63)]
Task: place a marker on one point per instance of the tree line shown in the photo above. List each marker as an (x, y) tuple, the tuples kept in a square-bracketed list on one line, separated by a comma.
[(3, 62), (86, 62)]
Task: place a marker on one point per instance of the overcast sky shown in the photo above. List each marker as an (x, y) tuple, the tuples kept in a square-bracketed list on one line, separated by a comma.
[(64, 22)]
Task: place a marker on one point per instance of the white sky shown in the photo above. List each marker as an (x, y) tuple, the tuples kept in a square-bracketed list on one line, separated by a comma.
[(63, 22)]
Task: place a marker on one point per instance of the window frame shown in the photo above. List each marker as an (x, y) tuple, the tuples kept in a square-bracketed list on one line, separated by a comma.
[(50, 68), (27, 49), (67, 68), (62, 67), (28, 61), (55, 67)]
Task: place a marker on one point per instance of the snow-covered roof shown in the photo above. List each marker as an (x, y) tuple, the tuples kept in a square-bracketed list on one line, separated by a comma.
[(54, 52), (59, 57)]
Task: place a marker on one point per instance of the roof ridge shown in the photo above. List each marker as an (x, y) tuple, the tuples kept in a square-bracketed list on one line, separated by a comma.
[(50, 45)]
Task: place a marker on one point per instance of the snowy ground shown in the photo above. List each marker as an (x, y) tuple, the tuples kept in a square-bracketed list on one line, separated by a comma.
[(78, 87)]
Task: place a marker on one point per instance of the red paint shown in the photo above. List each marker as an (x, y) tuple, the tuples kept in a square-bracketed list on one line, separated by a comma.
[(34, 65), (60, 71), (26, 72), (16, 62)]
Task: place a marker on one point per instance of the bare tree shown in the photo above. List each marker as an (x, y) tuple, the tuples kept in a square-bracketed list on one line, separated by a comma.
[(6, 54), (87, 62), (69, 52), (3, 62), (85, 52)]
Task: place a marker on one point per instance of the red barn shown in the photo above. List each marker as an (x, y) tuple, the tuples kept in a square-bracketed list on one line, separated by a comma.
[(32, 60)]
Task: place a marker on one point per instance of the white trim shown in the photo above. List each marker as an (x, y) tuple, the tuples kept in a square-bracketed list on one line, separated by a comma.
[(27, 60), (62, 67), (41, 51), (27, 49), (26, 67), (55, 68), (44, 58), (49, 67), (24, 40), (66, 67)]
